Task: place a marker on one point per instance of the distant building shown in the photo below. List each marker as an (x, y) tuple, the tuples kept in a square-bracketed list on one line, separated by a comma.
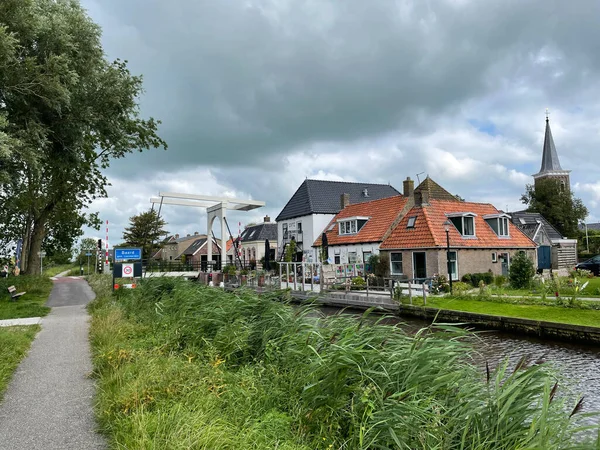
[(551, 168), (251, 244)]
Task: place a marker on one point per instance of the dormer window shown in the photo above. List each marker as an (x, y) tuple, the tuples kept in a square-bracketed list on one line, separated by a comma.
[(464, 223), (351, 225), (498, 223)]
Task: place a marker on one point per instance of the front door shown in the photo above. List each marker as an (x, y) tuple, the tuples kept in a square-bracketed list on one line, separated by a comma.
[(504, 259), (544, 257), (419, 265)]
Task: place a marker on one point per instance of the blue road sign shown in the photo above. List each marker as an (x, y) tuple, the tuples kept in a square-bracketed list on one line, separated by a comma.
[(88, 254), (128, 254)]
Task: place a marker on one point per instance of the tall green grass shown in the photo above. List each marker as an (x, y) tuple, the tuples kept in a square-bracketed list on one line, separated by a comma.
[(184, 366), (14, 344)]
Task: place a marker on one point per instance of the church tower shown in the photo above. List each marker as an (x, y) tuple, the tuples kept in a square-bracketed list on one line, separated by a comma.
[(551, 168)]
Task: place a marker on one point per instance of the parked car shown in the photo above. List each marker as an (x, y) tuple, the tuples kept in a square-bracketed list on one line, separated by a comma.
[(592, 264)]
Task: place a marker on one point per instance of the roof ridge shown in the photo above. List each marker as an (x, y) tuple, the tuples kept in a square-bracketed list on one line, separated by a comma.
[(350, 182)]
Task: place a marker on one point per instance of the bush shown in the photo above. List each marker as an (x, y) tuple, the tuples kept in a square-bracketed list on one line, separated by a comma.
[(459, 287), (474, 279), (439, 284), (229, 269), (500, 281), (358, 281), (521, 271)]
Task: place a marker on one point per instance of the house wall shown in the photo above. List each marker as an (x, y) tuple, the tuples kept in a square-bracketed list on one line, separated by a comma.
[(312, 227), (259, 248), (469, 260), (343, 250)]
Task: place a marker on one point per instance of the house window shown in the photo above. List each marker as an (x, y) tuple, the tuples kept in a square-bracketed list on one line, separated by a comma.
[(411, 222), (285, 231), (351, 257), (499, 224), (336, 256), (353, 225), (453, 265), (494, 257), (465, 224), (396, 263)]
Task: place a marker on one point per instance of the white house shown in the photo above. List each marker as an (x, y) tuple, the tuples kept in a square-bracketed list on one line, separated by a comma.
[(314, 205)]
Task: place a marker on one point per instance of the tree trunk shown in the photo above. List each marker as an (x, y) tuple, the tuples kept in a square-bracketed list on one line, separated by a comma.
[(26, 244), (37, 237)]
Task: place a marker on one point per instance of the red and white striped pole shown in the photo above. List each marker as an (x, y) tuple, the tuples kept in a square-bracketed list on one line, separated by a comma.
[(106, 262)]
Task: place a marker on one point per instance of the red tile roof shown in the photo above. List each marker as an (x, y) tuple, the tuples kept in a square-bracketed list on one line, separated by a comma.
[(381, 213), (429, 228)]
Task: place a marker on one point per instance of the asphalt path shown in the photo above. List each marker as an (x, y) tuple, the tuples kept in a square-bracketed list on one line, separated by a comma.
[(48, 404)]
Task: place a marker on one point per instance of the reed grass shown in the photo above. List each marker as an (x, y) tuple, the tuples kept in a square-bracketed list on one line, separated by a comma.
[(184, 366)]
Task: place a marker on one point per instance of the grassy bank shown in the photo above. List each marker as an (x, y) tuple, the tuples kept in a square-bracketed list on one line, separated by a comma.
[(14, 342), (183, 366), (574, 316), (31, 304), (54, 270)]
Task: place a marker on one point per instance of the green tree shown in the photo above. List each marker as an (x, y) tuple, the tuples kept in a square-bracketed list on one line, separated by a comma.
[(146, 230), (290, 251), (68, 111), (558, 205), (521, 271)]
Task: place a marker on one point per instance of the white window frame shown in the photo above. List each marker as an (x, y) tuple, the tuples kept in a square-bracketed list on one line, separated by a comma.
[(463, 216), (392, 263), (355, 257), (502, 224), (494, 257), (454, 265)]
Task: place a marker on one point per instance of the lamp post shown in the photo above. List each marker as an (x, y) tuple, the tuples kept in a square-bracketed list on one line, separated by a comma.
[(447, 225)]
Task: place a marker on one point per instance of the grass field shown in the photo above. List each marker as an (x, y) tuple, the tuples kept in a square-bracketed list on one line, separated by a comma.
[(31, 304), (14, 342)]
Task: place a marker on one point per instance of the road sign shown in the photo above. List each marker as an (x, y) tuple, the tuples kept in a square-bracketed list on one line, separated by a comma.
[(42, 254), (127, 270), (88, 254), (128, 254)]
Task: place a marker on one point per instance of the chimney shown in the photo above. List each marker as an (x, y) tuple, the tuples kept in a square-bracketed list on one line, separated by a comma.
[(409, 187), (267, 219), (176, 236), (344, 200), (422, 198)]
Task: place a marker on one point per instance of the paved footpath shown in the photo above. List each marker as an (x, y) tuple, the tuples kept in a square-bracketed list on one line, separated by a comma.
[(48, 404)]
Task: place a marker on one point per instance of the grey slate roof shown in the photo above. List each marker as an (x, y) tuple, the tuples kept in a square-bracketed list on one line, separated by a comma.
[(591, 226), (323, 197), (550, 162), (187, 238), (531, 220), (260, 232), (194, 247)]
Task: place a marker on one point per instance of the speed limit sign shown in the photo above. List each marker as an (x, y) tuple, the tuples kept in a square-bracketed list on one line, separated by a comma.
[(127, 270)]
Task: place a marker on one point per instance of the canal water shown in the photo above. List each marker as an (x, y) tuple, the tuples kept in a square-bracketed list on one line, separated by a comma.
[(579, 364)]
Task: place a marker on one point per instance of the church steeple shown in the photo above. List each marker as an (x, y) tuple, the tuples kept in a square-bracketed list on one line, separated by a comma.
[(550, 164)]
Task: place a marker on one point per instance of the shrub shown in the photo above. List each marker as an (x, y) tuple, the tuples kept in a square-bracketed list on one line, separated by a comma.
[(521, 271), (229, 269), (358, 281), (474, 279), (460, 287), (439, 284), (500, 281)]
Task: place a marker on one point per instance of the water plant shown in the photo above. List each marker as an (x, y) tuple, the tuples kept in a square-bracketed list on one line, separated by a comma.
[(184, 366)]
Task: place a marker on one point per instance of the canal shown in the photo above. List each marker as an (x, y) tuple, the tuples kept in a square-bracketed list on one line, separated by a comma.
[(578, 363)]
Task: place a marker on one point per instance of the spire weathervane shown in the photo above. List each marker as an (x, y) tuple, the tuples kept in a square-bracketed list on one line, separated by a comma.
[(547, 114)]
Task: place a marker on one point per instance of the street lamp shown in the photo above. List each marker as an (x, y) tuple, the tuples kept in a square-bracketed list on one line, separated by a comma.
[(447, 225)]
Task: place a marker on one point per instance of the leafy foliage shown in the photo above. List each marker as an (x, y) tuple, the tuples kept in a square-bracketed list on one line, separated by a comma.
[(559, 206), (521, 271), (145, 231), (66, 113)]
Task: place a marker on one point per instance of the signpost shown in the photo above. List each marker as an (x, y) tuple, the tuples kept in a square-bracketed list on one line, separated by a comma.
[(41, 255), (127, 263), (88, 254)]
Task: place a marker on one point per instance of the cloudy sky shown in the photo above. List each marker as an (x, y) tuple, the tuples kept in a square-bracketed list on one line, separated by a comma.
[(257, 95)]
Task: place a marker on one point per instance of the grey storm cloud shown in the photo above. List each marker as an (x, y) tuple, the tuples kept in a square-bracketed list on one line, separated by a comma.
[(256, 95), (236, 81)]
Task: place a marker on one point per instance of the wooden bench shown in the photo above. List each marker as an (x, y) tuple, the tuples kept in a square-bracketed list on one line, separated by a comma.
[(13, 293)]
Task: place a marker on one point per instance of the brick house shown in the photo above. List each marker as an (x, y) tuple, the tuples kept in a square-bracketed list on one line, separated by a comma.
[(252, 243), (410, 229), (196, 254), (481, 237)]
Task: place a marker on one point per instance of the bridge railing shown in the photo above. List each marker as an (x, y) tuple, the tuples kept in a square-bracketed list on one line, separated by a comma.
[(154, 265)]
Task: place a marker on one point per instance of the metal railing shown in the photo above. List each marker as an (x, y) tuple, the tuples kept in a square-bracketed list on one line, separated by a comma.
[(157, 265)]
